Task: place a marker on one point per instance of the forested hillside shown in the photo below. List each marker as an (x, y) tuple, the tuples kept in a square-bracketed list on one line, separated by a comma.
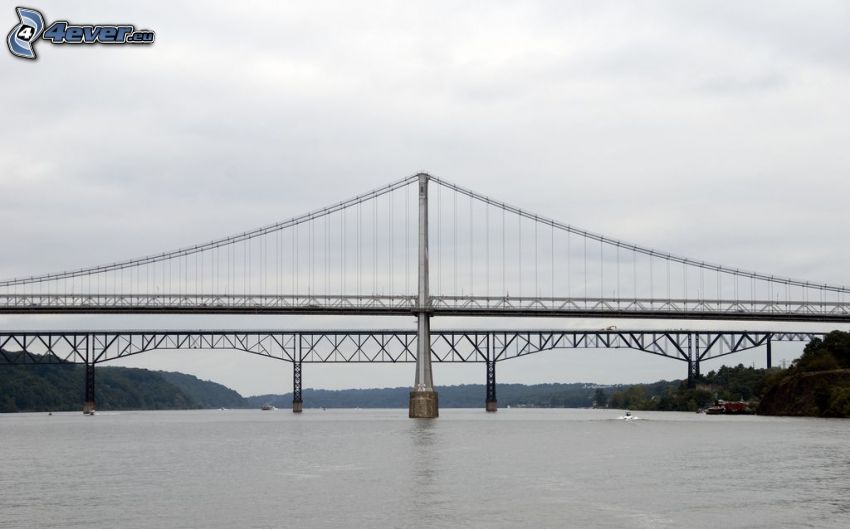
[(60, 388)]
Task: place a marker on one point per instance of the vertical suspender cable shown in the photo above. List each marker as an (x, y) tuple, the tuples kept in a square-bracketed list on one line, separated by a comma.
[(735, 277), (359, 250), (617, 287), (585, 268), (536, 249), (375, 246), (439, 253), (569, 266), (601, 271), (244, 268), (249, 244), (471, 250), (310, 262), (519, 252), (652, 280), (634, 275), (487, 249), (279, 262), (504, 285), (454, 243), (407, 241)]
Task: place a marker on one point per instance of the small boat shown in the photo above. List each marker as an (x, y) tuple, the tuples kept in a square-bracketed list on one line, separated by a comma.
[(267, 407), (725, 407), (627, 416)]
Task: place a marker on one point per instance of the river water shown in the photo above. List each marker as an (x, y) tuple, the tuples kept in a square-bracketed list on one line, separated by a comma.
[(376, 469)]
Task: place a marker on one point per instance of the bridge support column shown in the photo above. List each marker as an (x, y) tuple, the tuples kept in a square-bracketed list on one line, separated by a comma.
[(490, 404), (769, 352), (690, 374), (423, 398), (693, 372), (297, 400), (693, 361), (88, 399)]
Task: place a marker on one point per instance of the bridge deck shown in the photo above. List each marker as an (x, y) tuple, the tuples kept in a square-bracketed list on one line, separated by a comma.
[(675, 309)]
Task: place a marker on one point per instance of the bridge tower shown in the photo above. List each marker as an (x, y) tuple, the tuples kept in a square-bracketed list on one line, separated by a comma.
[(423, 398)]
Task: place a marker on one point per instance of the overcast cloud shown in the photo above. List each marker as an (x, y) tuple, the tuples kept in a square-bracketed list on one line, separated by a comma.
[(717, 130)]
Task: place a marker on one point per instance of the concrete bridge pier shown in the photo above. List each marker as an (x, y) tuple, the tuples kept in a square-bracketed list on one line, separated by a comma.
[(423, 399), (297, 400), (88, 398)]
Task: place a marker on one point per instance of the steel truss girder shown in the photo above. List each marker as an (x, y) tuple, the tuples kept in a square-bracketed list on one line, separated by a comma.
[(297, 395), (833, 311), (490, 395), (382, 346)]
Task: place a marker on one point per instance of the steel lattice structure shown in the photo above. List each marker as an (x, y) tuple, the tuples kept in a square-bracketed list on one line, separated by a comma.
[(28, 348), (440, 305), (380, 346)]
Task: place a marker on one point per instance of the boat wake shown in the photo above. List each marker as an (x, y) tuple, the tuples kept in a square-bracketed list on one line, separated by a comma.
[(627, 416)]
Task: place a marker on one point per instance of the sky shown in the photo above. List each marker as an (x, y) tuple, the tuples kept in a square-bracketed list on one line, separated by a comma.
[(715, 130)]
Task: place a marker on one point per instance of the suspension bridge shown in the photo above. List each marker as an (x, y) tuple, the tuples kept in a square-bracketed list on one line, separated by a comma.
[(420, 246)]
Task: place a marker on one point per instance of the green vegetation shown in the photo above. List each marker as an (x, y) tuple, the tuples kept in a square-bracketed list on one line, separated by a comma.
[(60, 388), (816, 384), (204, 393), (727, 383)]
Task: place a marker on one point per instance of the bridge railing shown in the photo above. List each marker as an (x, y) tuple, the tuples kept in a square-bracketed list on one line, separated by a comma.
[(440, 305)]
